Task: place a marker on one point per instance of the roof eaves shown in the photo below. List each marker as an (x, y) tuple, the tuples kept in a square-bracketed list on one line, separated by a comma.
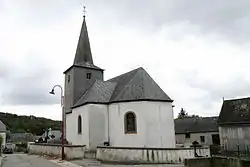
[(243, 123), (228, 100), (82, 67), (88, 103), (152, 100), (201, 131)]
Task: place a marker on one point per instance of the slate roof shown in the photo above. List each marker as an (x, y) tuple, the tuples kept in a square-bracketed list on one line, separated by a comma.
[(83, 51), (196, 125), (2, 127), (132, 86), (99, 92), (235, 111), (83, 56)]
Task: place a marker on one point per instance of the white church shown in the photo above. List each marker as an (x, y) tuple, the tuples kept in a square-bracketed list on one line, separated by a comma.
[(129, 110)]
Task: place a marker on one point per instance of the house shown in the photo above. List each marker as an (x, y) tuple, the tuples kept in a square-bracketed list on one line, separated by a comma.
[(204, 130), (129, 110), (52, 134), (55, 137), (3, 132), (22, 137), (56, 133), (234, 124)]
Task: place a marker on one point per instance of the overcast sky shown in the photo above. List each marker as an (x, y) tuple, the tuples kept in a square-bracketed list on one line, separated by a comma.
[(198, 51)]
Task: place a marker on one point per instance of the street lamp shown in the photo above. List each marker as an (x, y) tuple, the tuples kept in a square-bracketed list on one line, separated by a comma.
[(53, 93)]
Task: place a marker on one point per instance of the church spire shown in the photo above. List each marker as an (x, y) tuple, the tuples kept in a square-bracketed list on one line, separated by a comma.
[(83, 54)]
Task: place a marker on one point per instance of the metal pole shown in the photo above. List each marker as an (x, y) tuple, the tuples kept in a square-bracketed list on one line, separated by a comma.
[(63, 133)]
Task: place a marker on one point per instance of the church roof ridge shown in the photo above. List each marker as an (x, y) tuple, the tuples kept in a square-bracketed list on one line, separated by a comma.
[(140, 86), (119, 76)]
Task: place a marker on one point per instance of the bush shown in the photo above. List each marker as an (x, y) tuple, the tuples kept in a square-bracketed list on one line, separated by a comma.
[(21, 147)]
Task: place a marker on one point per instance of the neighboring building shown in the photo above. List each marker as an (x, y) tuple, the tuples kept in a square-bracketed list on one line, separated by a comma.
[(234, 124), (55, 137), (130, 110), (52, 133), (3, 132), (22, 137), (56, 133), (204, 130)]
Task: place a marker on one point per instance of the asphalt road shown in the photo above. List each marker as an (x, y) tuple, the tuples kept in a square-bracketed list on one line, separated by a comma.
[(23, 160)]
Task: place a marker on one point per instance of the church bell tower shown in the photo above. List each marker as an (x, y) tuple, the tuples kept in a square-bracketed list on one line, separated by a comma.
[(82, 74)]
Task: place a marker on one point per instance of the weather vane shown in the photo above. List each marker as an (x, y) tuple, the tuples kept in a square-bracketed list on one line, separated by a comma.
[(84, 11)]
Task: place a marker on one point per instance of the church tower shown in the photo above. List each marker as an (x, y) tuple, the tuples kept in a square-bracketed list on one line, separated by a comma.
[(83, 73)]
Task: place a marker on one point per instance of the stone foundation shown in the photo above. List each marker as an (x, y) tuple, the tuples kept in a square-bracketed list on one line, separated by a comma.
[(71, 151), (135, 155)]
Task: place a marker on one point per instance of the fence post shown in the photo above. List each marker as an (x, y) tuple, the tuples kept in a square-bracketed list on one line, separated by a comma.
[(195, 143), (238, 150), (195, 154), (210, 147)]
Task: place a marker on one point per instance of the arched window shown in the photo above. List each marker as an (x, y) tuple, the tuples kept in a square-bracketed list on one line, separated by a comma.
[(130, 123), (79, 124)]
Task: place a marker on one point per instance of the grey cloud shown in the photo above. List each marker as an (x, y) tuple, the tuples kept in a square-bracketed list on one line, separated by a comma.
[(237, 86), (4, 71), (29, 86), (229, 18), (41, 12)]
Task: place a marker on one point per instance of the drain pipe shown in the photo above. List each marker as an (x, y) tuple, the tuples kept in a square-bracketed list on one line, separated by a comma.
[(108, 143), (108, 128)]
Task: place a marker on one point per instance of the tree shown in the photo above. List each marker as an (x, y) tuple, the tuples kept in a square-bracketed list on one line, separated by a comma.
[(195, 116), (182, 114), (35, 125)]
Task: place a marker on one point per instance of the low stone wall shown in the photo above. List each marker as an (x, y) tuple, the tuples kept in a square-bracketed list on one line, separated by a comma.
[(135, 155), (90, 154), (217, 162), (71, 151), (198, 162)]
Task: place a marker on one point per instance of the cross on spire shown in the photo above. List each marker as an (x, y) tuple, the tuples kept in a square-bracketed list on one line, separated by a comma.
[(84, 11)]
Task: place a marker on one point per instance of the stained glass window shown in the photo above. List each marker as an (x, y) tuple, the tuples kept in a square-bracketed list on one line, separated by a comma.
[(79, 124), (130, 123)]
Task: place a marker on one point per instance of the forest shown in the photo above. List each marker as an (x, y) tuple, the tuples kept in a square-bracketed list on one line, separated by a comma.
[(30, 124)]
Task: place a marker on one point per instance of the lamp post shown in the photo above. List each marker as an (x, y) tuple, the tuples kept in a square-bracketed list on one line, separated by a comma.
[(53, 93)]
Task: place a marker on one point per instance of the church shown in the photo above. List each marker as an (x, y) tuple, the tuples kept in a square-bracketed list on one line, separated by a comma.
[(129, 110)]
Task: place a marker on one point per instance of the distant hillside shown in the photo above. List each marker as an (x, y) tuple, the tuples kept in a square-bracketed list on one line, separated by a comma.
[(32, 124)]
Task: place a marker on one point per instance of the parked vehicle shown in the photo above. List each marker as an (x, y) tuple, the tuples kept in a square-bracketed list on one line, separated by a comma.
[(9, 148)]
